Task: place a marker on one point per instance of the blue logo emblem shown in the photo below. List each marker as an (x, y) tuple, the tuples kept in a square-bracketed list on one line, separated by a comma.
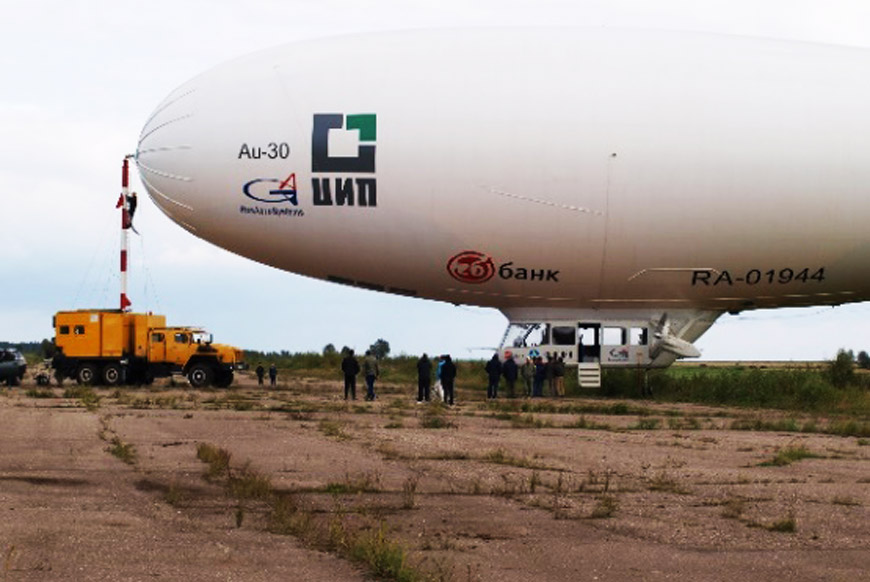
[(261, 190)]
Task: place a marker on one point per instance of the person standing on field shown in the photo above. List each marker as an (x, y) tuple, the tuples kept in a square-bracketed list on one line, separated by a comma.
[(548, 374), (273, 374), (510, 371), (439, 387), (424, 378), (370, 367), (350, 368), (540, 376), (528, 373), (448, 376), (493, 371), (261, 371), (559, 376)]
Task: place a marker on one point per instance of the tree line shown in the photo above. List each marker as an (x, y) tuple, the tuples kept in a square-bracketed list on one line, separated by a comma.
[(32, 350)]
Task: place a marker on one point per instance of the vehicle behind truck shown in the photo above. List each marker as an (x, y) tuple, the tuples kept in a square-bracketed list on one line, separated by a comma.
[(113, 347), (12, 366)]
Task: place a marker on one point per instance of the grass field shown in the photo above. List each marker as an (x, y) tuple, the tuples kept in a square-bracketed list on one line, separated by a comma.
[(826, 388)]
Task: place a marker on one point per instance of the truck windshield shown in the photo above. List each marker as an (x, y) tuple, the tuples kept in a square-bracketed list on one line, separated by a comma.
[(202, 337)]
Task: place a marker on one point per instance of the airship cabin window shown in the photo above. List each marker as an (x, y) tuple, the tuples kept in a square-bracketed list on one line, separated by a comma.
[(563, 335), (638, 336)]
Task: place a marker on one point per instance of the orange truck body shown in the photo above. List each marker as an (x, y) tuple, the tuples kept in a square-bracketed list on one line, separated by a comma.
[(116, 347)]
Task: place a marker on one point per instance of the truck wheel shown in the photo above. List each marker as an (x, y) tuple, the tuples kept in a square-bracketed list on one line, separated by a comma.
[(200, 376), (111, 374), (86, 374), (224, 379)]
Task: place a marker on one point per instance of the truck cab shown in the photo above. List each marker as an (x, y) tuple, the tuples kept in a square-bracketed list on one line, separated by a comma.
[(191, 351)]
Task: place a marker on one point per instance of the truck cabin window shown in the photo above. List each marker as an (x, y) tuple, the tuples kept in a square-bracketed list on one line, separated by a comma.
[(79, 330), (181, 338), (64, 330), (157, 338)]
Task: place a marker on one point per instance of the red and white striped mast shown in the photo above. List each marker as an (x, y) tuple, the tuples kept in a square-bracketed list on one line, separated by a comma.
[(124, 204)]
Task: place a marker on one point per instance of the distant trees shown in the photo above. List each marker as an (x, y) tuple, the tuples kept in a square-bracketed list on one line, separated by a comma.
[(842, 369), (380, 349), (863, 360), (32, 350), (48, 348)]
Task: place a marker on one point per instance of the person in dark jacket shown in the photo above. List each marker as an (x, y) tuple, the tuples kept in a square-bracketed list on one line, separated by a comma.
[(424, 378), (273, 374), (540, 376), (510, 371), (549, 369), (132, 203), (350, 368), (448, 376), (493, 370), (261, 371)]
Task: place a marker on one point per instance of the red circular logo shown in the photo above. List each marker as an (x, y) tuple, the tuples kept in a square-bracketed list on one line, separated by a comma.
[(471, 267)]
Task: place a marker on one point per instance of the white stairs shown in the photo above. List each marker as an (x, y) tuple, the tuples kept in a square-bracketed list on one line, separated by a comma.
[(589, 374)]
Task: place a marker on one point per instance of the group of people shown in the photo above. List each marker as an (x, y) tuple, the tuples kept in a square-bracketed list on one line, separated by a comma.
[(261, 372), (350, 368), (445, 377), (534, 373)]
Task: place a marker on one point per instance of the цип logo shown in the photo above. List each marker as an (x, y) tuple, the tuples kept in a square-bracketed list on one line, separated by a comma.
[(363, 162), (471, 267), (260, 189), (344, 190)]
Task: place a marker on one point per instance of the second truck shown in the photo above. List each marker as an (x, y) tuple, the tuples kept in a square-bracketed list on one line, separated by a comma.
[(113, 347)]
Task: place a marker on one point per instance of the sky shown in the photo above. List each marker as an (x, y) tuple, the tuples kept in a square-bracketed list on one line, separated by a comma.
[(81, 77)]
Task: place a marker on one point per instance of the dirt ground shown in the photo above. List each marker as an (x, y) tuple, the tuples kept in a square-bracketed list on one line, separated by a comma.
[(110, 488)]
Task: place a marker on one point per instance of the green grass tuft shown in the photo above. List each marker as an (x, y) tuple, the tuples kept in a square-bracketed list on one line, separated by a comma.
[(786, 525), (387, 558), (605, 507), (434, 415), (85, 394), (40, 393), (334, 429), (217, 459), (249, 484), (124, 451), (789, 455)]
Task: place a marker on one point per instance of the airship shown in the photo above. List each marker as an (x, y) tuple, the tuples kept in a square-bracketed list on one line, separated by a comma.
[(611, 192)]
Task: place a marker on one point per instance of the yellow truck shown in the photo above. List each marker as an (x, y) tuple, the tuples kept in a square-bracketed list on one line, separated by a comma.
[(113, 347)]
